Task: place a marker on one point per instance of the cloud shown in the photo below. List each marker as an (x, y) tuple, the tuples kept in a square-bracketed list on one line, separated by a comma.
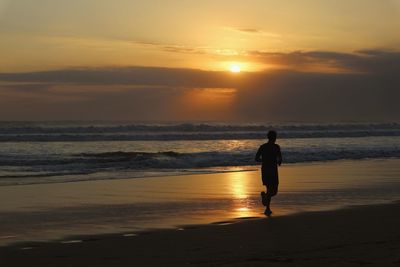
[(368, 90), (128, 76), (184, 49), (24, 87), (363, 61), (295, 96), (249, 30), (254, 31)]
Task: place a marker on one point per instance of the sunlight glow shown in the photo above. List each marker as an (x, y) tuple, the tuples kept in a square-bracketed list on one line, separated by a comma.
[(239, 185), (235, 68)]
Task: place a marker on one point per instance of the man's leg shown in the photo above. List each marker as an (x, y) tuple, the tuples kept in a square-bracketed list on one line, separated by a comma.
[(268, 197), (272, 190)]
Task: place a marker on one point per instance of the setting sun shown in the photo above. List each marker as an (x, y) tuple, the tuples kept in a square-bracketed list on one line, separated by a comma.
[(235, 68)]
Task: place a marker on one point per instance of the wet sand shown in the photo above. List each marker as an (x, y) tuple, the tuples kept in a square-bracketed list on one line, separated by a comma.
[(46, 212), (363, 235)]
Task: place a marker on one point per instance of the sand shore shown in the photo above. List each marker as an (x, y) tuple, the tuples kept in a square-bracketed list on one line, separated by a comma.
[(45, 212), (365, 235)]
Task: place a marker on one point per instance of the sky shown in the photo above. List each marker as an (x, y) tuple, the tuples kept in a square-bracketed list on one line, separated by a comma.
[(170, 60)]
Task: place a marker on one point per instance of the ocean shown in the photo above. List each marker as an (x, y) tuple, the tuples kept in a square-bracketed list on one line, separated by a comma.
[(49, 152)]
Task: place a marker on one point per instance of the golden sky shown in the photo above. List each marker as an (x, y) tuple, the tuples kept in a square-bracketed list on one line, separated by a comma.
[(224, 60), (207, 34)]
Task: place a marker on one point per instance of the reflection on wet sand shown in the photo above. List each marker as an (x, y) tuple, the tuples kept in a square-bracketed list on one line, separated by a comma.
[(136, 204), (242, 189), (239, 185)]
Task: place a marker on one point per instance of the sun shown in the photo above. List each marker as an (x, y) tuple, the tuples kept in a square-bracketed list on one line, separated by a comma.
[(235, 68)]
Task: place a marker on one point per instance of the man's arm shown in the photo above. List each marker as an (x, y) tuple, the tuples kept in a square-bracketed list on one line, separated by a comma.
[(258, 155), (279, 156)]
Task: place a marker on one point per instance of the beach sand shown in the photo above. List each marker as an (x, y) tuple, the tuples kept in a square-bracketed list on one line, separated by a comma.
[(357, 236), (138, 222)]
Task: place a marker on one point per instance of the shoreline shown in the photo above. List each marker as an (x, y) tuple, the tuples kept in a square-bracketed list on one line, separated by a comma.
[(365, 234), (247, 168), (48, 212)]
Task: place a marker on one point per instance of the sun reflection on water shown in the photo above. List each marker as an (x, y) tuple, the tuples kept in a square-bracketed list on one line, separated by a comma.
[(239, 185), (243, 212), (243, 204)]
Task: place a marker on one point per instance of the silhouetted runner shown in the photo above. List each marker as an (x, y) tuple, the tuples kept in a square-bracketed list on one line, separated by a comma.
[(270, 156)]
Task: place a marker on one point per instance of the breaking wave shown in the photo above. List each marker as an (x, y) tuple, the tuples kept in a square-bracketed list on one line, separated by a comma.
[(15, 132), (87, 163), (60, 152)]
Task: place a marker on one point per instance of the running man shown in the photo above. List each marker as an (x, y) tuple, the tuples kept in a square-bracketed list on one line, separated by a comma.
[(270, 156)]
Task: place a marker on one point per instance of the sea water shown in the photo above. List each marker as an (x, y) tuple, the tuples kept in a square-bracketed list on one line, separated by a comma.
[(45, 152)]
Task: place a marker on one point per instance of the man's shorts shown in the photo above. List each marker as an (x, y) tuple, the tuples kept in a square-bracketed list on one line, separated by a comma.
[(269, 176)]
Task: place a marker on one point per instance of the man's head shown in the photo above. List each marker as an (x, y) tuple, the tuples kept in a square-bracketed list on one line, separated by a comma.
[(271, 136)]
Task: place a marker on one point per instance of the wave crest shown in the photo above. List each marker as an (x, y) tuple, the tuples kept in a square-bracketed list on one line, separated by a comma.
[(13, 132)]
